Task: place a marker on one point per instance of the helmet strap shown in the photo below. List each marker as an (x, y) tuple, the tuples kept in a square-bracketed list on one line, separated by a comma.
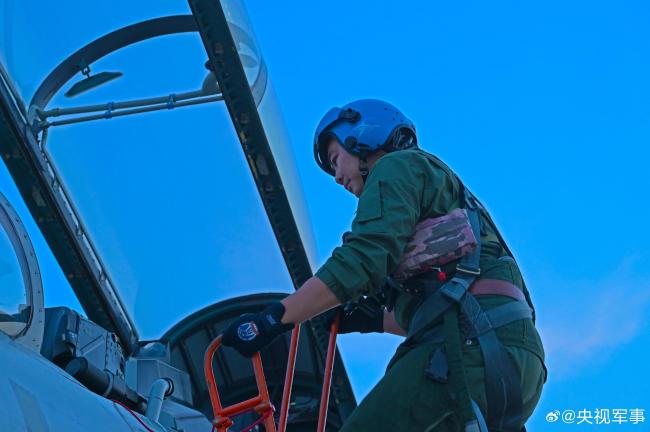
[(363, 168)]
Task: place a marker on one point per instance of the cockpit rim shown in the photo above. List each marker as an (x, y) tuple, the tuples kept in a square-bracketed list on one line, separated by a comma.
[(32, 335)]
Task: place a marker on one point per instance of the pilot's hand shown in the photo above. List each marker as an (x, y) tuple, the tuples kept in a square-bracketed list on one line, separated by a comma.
[(365, 316), (253, 331)]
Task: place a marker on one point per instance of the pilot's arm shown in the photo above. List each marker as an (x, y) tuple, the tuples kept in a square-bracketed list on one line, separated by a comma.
[(388, 210)]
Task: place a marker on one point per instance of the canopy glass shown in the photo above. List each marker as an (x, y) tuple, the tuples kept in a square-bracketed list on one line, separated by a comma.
[(165, 198)]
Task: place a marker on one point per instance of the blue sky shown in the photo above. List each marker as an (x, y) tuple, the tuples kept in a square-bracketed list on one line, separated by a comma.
[(542, 109)]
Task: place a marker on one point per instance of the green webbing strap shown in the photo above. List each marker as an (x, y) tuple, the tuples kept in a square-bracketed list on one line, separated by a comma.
[(503, 389), (457, 382), (502, 385), (466, 272), (502, 315), (435, 305), (482, 427), (498, 316), (487, 216)]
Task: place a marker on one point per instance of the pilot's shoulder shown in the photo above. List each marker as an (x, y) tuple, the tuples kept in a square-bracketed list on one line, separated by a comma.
[(411, 160)]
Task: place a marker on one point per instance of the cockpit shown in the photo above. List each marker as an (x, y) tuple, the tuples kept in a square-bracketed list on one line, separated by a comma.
[(149, 148)]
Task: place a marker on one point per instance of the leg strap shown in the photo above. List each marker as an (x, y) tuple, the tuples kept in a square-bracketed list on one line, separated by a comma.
[(503, 387), (502, 384), (482, 427)]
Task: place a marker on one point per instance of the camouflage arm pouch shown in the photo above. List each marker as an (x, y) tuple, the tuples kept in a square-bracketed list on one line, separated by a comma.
[(436, 242)]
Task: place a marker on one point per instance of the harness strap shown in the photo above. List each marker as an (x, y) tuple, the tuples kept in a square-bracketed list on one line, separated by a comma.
[(482, 427), (454, 293), (433, 307), (457, 384), (468, 195), (502, 384), (498, 316), (509, 257), (502, 315)]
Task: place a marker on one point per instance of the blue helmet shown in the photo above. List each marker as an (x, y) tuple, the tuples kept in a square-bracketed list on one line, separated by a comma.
[(362, 127)]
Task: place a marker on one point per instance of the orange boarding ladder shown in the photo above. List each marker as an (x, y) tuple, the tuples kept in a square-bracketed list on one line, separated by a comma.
[(261, 403)]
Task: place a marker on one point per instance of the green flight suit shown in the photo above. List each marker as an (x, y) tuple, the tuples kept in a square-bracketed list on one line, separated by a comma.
[(403, 188)]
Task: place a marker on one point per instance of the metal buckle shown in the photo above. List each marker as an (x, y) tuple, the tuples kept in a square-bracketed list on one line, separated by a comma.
[(474, 271)]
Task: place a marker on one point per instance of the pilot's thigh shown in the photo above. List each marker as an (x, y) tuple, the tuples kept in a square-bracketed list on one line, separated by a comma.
[(405, 399), (529, 369)]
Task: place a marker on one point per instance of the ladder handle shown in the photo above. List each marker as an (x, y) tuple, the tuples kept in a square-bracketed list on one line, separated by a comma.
[(261, 402), (327, 378), (288, 379)]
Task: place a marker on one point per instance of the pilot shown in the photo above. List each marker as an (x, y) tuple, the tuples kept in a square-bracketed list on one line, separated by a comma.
[(472, 359)]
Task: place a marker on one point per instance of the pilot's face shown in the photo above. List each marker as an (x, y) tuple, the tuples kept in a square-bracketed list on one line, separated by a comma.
[(346, 167)]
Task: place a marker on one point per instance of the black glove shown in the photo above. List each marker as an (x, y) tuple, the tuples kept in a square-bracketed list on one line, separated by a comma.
[(253, 331), (365, 316)]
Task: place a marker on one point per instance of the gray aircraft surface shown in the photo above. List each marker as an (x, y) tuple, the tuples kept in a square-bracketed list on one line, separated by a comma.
[(167, 201)]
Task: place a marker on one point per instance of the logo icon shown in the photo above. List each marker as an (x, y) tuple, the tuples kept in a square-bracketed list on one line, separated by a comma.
[(247, 331), (553, 416)]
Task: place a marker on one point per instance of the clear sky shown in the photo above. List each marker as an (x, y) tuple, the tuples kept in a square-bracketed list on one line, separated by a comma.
[(543, 110)]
